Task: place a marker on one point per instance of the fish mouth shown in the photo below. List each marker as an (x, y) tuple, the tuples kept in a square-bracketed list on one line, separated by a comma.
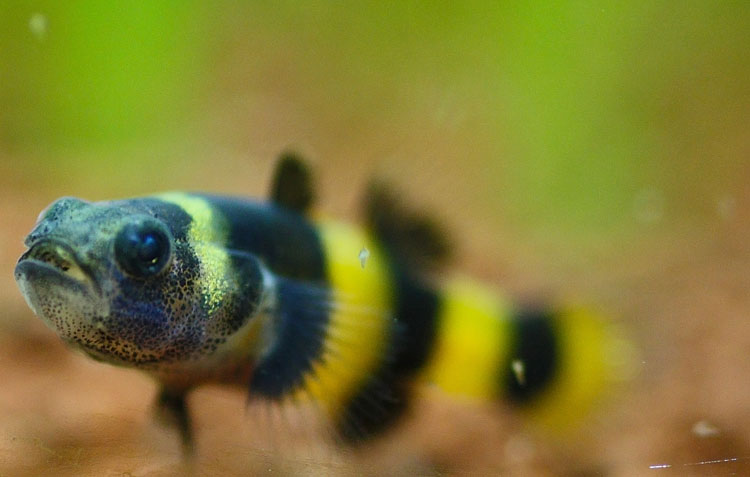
[(59, 290), (55, 262)]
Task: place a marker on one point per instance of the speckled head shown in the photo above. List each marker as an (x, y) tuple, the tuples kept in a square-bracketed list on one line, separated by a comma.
[(139, 282)]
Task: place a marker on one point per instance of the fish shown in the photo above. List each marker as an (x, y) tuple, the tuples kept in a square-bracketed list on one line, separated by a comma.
[(277, 298)]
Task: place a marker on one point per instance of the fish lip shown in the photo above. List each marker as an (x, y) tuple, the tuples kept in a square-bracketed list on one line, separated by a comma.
[(56, 260), (31, 269)]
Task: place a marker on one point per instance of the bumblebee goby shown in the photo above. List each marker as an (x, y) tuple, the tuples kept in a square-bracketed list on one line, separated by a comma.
[(272, 296)]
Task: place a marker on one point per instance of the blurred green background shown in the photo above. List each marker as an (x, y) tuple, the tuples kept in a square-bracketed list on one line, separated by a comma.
[(599, 149), (554, 120), (552, 138)]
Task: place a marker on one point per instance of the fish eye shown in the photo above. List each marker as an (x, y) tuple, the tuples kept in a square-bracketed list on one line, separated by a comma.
[(143, 249)]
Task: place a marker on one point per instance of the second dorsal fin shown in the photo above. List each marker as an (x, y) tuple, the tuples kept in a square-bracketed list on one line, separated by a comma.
[(414, 237), (292, 186)]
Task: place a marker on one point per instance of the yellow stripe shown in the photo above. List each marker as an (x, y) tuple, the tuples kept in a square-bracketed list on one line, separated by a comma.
[(472, 341), (592, 357), (208, 234), (358, 328)]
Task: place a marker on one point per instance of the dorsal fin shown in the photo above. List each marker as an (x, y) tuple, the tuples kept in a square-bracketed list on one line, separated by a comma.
[(414, 237), (292, 185)]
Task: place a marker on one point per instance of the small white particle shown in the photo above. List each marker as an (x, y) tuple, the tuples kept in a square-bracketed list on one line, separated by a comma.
[(519, 449), (38, 25), (519, 370), (648, 206), (364, 254), (660, 466), (725, 207), (705, 429)]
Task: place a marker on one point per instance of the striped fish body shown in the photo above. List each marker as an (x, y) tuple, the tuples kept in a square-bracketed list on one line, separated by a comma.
[(390, 331), (194, 288)]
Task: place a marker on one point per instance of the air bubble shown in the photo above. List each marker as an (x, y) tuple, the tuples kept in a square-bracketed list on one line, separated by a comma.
[(38, 26), (705, 429), (648, 206), (725, 207)]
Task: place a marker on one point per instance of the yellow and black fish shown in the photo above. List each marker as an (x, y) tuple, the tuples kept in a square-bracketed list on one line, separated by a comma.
[(195, 288)]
